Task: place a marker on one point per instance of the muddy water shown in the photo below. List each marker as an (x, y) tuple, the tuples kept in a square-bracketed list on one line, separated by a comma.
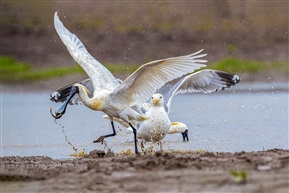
[(250, 117)]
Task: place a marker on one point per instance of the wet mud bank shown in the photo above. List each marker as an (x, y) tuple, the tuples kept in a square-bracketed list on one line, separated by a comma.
[(190, 171)]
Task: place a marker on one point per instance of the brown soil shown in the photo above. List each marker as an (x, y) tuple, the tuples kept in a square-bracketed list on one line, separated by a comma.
[(44, 49), (267, 171)]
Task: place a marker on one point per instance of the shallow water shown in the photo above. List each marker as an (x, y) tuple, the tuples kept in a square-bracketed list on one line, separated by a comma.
[(249, 117)]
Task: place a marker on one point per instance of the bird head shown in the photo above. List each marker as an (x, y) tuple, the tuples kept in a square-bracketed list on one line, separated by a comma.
[(58, 114), (157, 99)]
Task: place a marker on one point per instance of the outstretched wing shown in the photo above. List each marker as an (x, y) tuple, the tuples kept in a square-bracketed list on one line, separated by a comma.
[(100, 76), (205, 81), (144, 82), (61, 94)]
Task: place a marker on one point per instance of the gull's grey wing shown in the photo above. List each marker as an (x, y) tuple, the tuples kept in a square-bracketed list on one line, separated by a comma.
[(205, 81), (61, 94), (141, 108)]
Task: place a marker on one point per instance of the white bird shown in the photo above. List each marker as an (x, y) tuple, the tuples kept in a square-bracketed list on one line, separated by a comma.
[(158, 123), (179, 127), (155, 128), (112, 97)]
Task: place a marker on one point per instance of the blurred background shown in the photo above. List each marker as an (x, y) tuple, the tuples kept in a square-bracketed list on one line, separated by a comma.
[(245, 37)]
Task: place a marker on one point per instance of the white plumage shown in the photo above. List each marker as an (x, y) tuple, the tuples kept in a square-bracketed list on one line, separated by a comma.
[(177, 127), (158, 123)]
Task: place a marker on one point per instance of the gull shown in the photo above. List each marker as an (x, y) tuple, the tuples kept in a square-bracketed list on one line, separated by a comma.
[(115, 99), (158, 124), (155, 128)]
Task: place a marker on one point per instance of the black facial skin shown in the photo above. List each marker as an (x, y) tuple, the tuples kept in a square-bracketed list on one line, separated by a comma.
[(62, 109)]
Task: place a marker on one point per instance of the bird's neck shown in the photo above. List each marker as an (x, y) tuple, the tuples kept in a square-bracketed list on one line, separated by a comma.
[(156, 109), (156, 105), (93, 103)]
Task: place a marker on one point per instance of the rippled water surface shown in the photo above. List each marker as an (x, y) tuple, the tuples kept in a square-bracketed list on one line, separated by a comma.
[(249, 117)]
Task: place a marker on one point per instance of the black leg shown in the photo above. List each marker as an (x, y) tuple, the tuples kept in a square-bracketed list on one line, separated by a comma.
[(135, 139), (101, 138), (184, 138), (187, 135)]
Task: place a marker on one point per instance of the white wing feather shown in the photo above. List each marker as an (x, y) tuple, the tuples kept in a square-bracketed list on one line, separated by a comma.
[(144, 82), (100, 76)]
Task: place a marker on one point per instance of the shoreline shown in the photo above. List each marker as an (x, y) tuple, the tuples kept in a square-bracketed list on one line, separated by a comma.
[(188, 171), (49, 85)]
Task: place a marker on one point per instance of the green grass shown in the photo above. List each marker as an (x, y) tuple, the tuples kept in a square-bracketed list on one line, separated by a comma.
[(236, 65), (239, 176), (13, 71)]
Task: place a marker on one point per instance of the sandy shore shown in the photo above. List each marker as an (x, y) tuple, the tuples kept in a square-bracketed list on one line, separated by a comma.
[(266, 171)]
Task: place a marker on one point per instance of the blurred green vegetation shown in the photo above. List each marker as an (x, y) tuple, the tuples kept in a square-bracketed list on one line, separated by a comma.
[(13, 71), (235, 65), (147, 30), (239, 176)]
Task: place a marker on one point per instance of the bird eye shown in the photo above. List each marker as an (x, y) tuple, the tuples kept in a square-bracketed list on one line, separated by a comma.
[(160, 97)]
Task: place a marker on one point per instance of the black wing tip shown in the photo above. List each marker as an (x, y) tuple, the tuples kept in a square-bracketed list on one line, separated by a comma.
[(236, 78), (230, 78)]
